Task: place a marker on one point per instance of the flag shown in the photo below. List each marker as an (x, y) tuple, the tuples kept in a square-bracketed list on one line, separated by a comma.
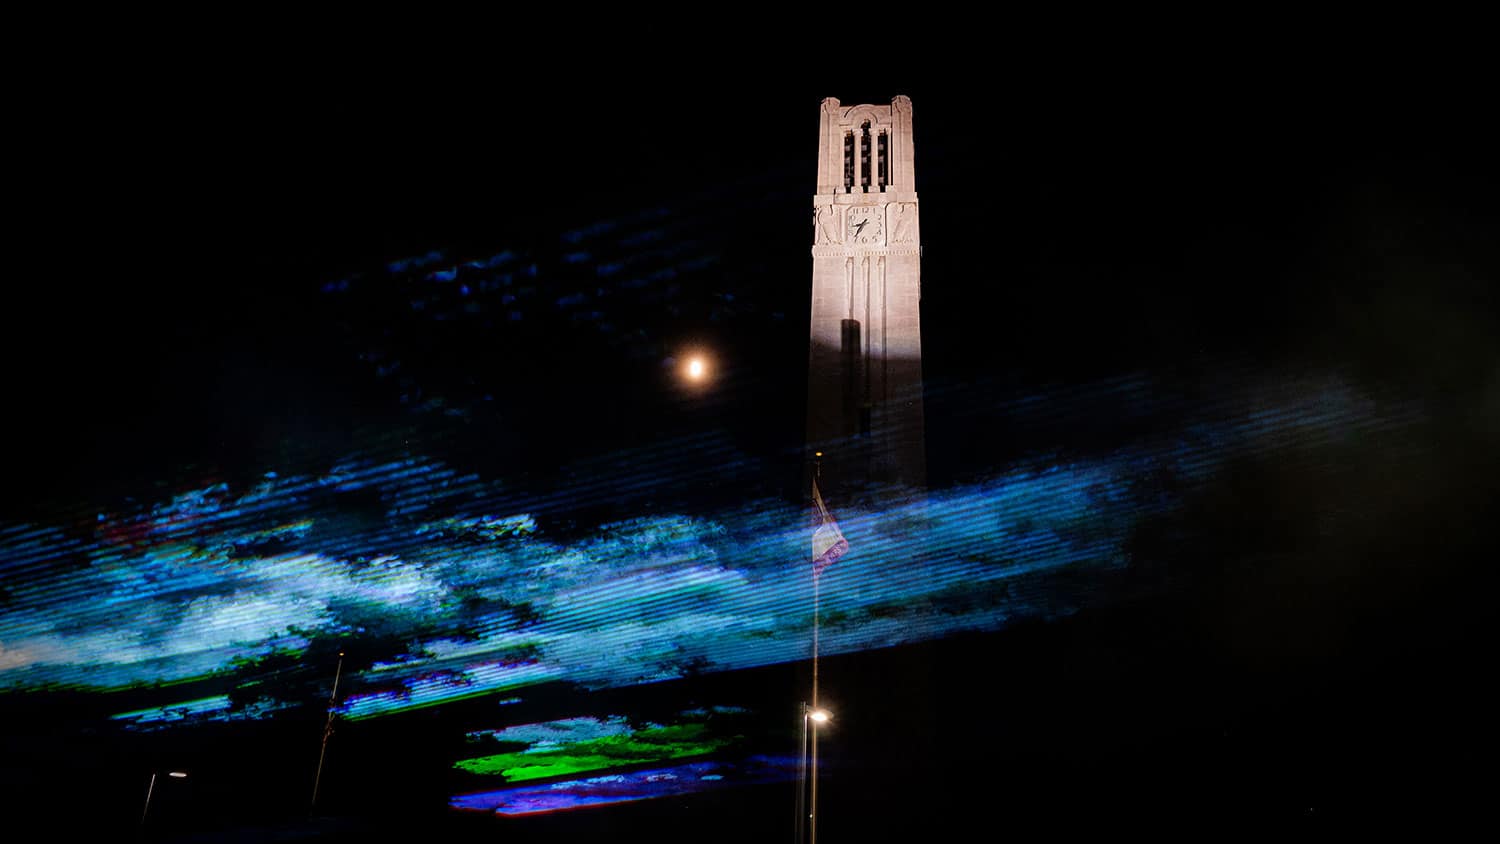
[(828, 543)]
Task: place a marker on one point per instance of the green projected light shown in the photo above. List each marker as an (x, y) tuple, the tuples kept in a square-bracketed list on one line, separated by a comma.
[(586, 744)]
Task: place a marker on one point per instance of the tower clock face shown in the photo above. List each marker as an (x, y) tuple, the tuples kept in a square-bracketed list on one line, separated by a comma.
[(866, 224)]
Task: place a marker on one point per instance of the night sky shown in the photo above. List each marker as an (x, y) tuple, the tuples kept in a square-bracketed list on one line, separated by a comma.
[(1214, 226), (1086, 219)]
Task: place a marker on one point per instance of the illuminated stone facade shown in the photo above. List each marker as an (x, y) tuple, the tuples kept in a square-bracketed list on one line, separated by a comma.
[(865, 351)]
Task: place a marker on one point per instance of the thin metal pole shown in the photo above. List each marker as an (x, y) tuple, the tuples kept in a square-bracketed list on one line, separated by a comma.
[(327, 728), (150, 788), (815, 647), (801, 828), (812, 814)]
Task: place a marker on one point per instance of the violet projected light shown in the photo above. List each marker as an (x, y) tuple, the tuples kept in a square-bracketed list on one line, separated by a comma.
[(206, 601), (214, 590), (629, 787)]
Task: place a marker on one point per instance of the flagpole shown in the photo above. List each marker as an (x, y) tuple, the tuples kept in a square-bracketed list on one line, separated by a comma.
[(327, 728), (828, 545), (817, 476)]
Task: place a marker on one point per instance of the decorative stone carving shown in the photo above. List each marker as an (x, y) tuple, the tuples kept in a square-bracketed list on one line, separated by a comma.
[(903, 221), (825, 220), (835, 250)]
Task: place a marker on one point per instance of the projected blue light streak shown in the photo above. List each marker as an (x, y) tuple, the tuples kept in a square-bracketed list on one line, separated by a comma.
[(628, 787), (216, 708), (471, 596)]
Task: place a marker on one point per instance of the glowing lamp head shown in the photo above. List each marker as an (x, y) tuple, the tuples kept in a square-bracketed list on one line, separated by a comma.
[(177, 774), (820, 715)]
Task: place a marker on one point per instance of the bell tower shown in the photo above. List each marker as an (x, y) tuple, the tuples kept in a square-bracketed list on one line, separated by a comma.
[(864, 403)]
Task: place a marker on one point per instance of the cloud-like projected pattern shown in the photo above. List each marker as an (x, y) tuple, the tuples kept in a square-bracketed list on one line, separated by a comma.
[(576, 745), (413, 564), (628, 787)]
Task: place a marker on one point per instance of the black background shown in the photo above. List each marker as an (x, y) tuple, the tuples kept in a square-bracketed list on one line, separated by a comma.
[(1090, 208)]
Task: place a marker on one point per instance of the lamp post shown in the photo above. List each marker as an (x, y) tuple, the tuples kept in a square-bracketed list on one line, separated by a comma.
[(333, 699), (151, 789), (801, 826), (807, 803)]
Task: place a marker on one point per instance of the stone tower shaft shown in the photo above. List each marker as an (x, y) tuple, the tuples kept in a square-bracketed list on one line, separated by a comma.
[(865, 348)]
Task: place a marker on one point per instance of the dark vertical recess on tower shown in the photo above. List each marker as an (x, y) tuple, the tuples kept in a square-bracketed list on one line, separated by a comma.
[(851, 366), (864, 157), (848, 162)]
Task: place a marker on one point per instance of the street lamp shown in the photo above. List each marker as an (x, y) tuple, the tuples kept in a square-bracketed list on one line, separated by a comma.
[(150, 789), (807, 807)]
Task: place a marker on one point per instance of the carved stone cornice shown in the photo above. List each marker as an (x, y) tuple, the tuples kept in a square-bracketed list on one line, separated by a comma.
[(861, 251), (861, 198)]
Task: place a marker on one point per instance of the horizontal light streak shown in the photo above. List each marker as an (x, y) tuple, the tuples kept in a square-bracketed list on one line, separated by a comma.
[(697, 777)]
